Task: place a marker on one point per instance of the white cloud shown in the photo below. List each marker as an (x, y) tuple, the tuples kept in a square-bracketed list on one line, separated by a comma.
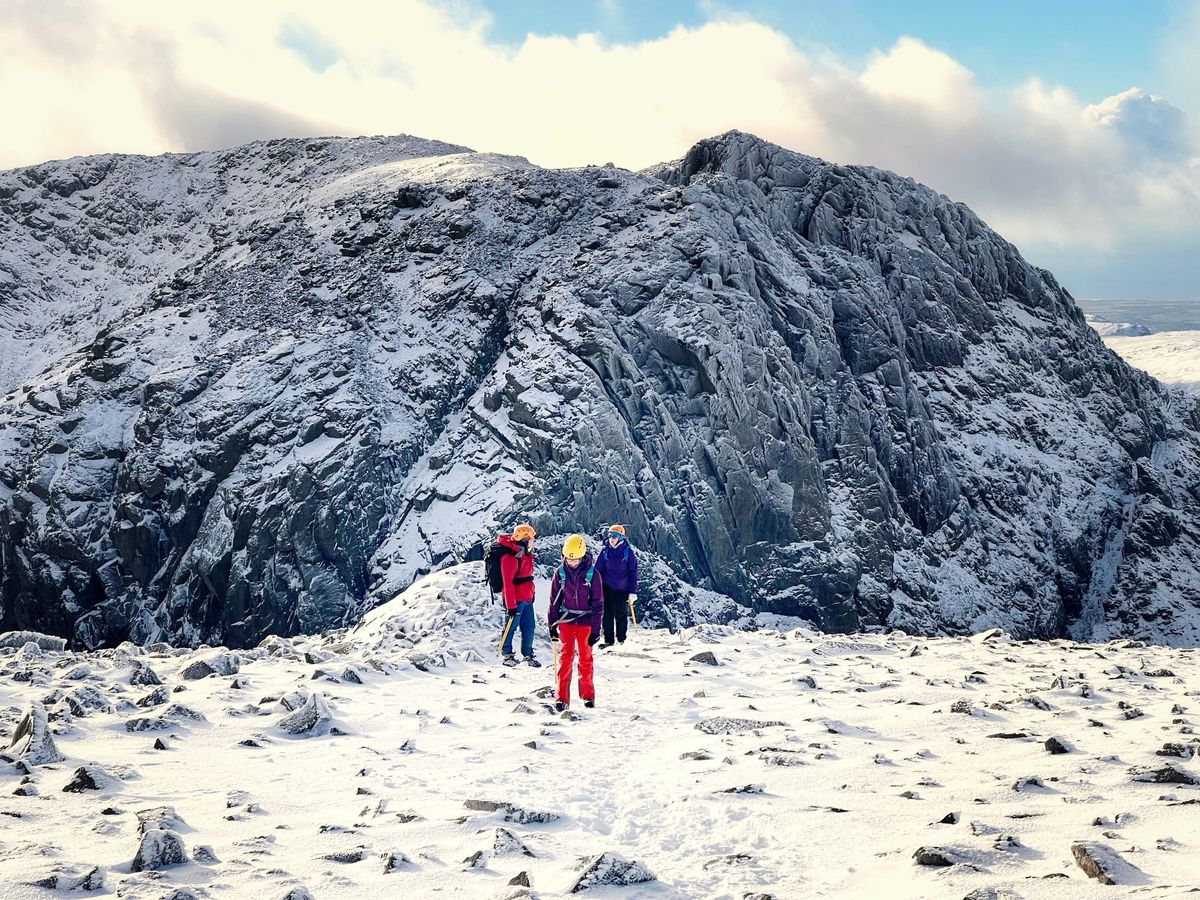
[(133, 75)]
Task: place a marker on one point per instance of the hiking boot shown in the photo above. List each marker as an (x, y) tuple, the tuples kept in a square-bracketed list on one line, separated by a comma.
[(605, 645), (510, 659), (590, 704), (559, 706), (532, 660)]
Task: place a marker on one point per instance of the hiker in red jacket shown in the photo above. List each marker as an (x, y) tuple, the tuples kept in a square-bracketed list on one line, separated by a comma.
[(576, 611), (516, 572)]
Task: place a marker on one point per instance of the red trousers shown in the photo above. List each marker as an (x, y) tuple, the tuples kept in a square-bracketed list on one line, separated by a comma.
[(574, 638)]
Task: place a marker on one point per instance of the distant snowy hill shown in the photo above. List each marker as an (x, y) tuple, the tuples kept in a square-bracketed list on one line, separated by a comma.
[(263, 390), (1173, 357), (399, 759)]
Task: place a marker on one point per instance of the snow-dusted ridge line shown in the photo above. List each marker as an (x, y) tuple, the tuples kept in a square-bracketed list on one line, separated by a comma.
[(326, 367)]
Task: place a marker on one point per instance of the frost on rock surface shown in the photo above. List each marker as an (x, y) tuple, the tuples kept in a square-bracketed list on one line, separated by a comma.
[(263, 390), (611, 870), (32, 742)]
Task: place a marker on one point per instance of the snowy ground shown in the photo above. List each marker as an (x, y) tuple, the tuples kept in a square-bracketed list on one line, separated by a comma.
[(1173, 357), (737, 780)]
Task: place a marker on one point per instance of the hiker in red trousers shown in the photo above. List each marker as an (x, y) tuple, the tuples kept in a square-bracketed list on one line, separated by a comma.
[(576, 613)]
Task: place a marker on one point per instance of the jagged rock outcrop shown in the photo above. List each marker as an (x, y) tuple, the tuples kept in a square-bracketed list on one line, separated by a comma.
[(326, 367)]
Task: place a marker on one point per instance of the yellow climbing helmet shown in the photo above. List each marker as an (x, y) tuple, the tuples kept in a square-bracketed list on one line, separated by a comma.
[(574, 547)]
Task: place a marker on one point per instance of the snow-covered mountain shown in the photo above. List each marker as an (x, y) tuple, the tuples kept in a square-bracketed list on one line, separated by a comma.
[(260, 391), (399, 759)]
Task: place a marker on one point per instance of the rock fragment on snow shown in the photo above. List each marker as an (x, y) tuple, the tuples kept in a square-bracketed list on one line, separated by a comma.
[(32, 742), (19, 639), (395, 861), (706, 658), (1099, 861), (159, 849), (934, 856), (505, 843), (1167, 774), (142, 674), (311, 718), (611, 870), (731, 725), (1182, 751), (1056, 745), (86, 778)]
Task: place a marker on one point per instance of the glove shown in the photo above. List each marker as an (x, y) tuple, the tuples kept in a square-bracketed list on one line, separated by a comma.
[(512, 612), (592, 638), (554, 632), (633, 598)]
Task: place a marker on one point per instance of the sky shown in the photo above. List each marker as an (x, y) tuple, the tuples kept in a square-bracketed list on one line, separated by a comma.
[(1070, 126)]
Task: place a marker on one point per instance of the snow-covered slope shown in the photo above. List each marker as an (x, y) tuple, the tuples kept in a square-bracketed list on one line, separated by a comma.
[(1173, 357), (331, 366), (400, 759)]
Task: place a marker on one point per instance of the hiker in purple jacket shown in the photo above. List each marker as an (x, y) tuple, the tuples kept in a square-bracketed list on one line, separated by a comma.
[(576, 610), (617, 564)]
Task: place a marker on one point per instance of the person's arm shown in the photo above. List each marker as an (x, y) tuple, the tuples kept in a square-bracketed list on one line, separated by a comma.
[(508, 571), (552, 611), (632, 571), (597, 606)]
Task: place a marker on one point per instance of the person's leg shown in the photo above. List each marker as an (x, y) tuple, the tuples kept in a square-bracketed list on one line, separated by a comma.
[(621, 603), (566, 656), (609, 616), (587, 690), (527, 625), (510, 625)]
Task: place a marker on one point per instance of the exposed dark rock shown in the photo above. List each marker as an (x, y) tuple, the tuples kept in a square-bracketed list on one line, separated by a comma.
[(311, 718), (395, 861), (729, 725), (1167, 774), (86, 778), (934, 856), (1099, 861), (32, 742), (159, 849), (707, 658), (611, 870), (1057, 745)]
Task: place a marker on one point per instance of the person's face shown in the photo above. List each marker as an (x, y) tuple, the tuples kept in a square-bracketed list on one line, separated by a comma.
[(613, 540), (574, 563)]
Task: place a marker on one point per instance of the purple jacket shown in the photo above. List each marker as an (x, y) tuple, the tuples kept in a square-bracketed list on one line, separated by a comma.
[(618, 565), (572, 601)]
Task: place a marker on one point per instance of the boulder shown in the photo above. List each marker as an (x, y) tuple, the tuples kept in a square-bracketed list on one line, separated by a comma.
[(32, 742), (610, 870), (312, 718), (159, 849)]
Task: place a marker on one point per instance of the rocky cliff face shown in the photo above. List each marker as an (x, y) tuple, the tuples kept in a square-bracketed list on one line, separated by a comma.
[(322, 368)]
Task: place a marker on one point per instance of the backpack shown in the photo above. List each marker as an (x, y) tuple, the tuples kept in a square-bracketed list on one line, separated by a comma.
[(491, 566)]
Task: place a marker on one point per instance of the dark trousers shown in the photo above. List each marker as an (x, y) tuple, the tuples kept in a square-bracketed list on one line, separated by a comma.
[(616, 615)]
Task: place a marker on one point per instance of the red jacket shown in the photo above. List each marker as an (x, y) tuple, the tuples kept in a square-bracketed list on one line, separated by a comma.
[(516, 569)]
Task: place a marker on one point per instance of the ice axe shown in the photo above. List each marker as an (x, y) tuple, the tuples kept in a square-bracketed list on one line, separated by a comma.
[(632, 614)]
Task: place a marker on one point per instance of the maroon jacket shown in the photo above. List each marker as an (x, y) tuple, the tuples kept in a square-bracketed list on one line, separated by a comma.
[(516, 568), (572, 601)]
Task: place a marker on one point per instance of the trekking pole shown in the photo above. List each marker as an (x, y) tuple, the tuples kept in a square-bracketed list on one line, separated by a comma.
[(507, 629), (633, 615)]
